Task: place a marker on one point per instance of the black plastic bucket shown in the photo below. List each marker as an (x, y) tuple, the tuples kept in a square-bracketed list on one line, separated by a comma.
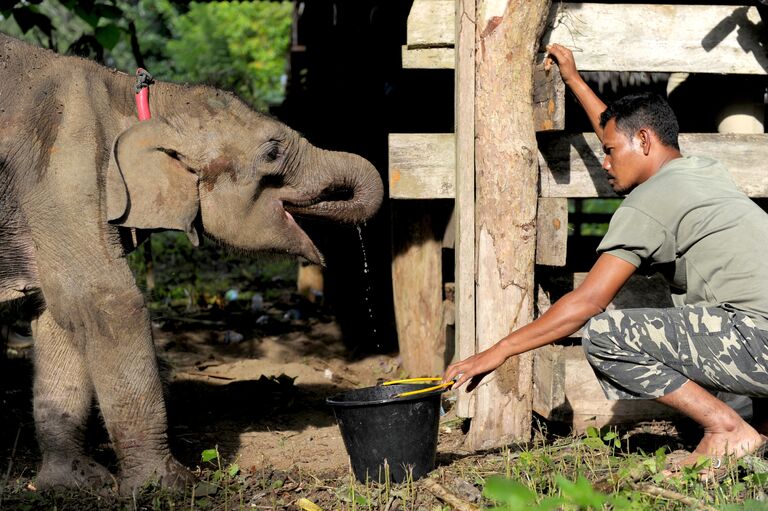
[(380, 429)]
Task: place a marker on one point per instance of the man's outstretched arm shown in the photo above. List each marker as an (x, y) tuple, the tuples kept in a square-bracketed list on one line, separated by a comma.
[(593, 105), (565, 317)]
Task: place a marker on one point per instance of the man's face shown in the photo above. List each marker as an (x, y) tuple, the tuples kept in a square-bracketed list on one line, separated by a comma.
[(624, 159)]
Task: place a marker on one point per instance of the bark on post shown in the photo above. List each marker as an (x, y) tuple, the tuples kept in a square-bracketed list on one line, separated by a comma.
[(506, 40)]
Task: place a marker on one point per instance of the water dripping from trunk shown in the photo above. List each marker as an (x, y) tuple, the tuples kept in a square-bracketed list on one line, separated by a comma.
[(367, 287)]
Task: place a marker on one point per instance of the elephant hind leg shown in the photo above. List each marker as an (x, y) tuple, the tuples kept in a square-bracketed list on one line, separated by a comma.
[(63, 396)]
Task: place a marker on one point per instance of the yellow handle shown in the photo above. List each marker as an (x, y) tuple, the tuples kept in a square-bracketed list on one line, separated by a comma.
[(411, 380), (428, 389)]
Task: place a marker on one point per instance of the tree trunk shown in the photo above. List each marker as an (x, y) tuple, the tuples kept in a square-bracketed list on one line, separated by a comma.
[(506, 41)]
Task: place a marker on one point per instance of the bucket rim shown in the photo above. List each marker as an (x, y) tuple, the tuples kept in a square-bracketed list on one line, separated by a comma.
[(348, 404)]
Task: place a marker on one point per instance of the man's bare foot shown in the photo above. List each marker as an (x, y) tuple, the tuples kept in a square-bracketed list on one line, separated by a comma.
[(717, 453), (709, 468), (737, 441), (726, 434)]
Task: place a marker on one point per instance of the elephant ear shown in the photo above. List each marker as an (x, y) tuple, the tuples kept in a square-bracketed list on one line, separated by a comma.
[(147, 186)]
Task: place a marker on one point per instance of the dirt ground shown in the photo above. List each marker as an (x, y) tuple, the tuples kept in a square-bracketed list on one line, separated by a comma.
[(262, 400), (252, 384)]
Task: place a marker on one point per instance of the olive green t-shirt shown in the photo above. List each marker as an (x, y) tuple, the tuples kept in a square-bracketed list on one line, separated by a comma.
[(690, 223)]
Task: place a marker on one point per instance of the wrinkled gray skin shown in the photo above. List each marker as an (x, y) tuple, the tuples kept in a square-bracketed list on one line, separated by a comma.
[(79, 178)]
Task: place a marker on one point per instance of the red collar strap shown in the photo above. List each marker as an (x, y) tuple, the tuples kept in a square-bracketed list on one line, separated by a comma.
[(143, 81)]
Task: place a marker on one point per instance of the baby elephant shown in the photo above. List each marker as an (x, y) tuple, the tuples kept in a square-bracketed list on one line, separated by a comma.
[(81, 180)]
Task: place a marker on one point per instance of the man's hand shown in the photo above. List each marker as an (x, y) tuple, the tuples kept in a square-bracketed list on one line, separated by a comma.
[(593, 105), (564, 59), (480, 364)]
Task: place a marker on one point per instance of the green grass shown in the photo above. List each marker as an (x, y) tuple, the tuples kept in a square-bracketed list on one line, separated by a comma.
[(596, 471)]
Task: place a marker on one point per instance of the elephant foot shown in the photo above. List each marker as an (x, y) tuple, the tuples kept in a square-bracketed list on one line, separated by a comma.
[(168, 473), (75, 472)]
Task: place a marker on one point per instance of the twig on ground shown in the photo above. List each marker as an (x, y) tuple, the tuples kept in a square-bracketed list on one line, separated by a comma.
[(449, 498), (609, 483), (389, 506), (671, 495), (209, 375), (194, 321)]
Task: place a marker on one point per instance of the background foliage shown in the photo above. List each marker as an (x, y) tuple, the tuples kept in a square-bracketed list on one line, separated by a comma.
[(240, 46)]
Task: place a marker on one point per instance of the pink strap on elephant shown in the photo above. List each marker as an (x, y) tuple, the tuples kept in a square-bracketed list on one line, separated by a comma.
[(143, 81)]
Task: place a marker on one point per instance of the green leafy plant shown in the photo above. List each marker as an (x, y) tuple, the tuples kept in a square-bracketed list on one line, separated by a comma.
[(515, 495), (598, 439), (213, 456), (222, 476), (578, 494), (655, 464), (88, 28), (581, 494)]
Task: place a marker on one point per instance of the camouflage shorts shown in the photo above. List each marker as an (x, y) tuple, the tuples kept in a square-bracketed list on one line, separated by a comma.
[(648, 353)]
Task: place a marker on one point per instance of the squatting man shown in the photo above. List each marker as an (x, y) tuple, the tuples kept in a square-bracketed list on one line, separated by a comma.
[(682, 216)]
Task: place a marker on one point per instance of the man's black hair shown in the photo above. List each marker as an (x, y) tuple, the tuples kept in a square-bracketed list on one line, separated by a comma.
[(646, 110)]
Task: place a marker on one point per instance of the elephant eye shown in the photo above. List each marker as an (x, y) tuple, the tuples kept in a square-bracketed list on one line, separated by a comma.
[(170, 152), (272, 152)]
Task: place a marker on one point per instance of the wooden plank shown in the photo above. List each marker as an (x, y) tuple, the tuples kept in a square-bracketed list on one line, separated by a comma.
[(428, 58), (686, 38), (506, 179), (551, 231), (571, 165), (705, 38), (464, 208), (431, 23), (422, 166), (548, 99), (548, 380), (418, 287)]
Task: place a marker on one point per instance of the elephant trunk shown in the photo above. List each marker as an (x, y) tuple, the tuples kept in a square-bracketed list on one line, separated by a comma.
[(364, 181), (350, 189)]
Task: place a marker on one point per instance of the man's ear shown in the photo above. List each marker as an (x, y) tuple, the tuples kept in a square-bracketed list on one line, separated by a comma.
[(644, 135), (147, 185)]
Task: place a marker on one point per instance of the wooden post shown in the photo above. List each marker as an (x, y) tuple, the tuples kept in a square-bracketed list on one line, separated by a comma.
[(506, 41), (417, 282), (464, 206), (552, 231)]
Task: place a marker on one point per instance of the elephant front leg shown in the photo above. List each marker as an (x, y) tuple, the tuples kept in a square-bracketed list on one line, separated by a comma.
[(62, 403), (122, 363)]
